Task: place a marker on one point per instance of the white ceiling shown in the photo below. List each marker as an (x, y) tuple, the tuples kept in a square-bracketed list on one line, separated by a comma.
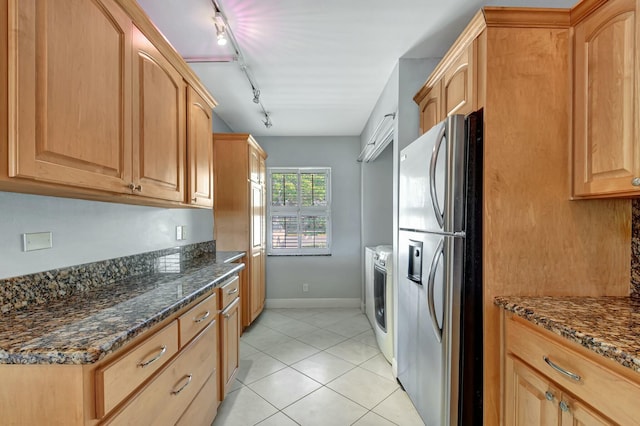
[(320, 64)]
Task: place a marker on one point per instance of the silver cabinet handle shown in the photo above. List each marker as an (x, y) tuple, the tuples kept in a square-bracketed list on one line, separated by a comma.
[(194, 199), (564, 406), (549, 396), (234, 291), (134, 187), (143, 364), (561, 370), (202, 318), (635, 181), (189, 377)]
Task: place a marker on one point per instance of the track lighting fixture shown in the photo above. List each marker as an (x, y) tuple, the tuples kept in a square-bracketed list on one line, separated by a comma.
[(267, 122), (224, 34)]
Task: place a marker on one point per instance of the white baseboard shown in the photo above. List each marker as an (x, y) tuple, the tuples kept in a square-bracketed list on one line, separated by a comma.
[(394, 367), (312, 303)]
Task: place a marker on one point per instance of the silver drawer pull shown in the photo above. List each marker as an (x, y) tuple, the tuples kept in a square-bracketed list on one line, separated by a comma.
[(234, 291), (143, 364), (176, 392), (561, 370), (202, 318)]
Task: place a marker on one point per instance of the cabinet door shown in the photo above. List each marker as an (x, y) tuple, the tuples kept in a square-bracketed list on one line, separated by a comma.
[(159, 124), (254, 165), (458, 86), (200, 151), (70, 113), (430, 114), (230, 341), (257, 290), (606, 154), (530, 399), (575, 413), (257, 215), (263, 171)]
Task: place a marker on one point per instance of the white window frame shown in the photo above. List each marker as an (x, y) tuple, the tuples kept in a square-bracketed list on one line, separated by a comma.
[(298, 211)]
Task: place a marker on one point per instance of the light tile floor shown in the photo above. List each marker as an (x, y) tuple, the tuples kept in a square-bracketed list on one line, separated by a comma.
[(314, 367)]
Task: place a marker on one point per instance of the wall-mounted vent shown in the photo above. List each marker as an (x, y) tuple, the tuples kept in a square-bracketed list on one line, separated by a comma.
[(380, 138)]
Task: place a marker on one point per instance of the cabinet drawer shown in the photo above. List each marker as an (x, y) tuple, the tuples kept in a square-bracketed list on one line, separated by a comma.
[(118, 379), (229, 291), (204, 408), (197, 318), (609, 392), (165, 398)]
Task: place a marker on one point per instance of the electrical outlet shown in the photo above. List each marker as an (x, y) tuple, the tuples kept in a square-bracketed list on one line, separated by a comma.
[(37, 241), (184, 232), (305, 287)]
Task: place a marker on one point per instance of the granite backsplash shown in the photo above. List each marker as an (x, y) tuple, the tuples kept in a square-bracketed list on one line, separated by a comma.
[(635, 248), (41, 287)]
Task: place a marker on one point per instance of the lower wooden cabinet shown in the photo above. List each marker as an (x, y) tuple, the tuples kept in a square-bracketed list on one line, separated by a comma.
[(532, 400), (169, 375), (549, 380), (165, 398)]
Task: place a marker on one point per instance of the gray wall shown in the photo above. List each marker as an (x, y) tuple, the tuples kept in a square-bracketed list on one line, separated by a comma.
[(338, 275), (219, 125), (88, 231)]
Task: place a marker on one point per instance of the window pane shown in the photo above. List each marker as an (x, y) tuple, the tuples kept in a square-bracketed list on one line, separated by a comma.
[(313, 188), (284, 232), (314, 231), (284, 189)]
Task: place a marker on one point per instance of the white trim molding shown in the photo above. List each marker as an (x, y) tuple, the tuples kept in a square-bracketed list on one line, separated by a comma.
[(312, 303)]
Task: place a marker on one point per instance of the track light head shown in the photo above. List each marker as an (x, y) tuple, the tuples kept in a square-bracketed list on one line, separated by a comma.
[(267, 122), (221, 36), (256, 96)]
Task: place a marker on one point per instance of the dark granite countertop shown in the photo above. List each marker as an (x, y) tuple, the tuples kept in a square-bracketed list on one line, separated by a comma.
[(228, 256), (609, 326), (84, 327)]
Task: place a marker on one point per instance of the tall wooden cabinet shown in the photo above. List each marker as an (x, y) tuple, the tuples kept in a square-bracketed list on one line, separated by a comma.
[(516, 65), (94, 105), (240, 211), (606, 122)]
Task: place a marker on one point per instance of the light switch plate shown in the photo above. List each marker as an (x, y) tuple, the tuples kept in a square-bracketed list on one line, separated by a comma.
[(37, 241), (179, 233)]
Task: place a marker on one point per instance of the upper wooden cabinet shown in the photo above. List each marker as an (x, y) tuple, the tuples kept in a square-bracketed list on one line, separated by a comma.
[(606, 147), (70, 104), (94, 106), (429, 100), (200, 150), (458, 83), (158, 123), (453, 87)]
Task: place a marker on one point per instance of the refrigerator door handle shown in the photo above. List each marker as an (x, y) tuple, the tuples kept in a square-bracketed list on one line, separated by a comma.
[(437, 329), (432, 177)]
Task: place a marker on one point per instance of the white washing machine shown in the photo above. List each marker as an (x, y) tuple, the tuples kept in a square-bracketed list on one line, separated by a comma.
[(382, 321), (367, 300)]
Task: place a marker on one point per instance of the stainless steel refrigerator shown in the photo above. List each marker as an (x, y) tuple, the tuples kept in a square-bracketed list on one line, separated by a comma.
[(440, 272)]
